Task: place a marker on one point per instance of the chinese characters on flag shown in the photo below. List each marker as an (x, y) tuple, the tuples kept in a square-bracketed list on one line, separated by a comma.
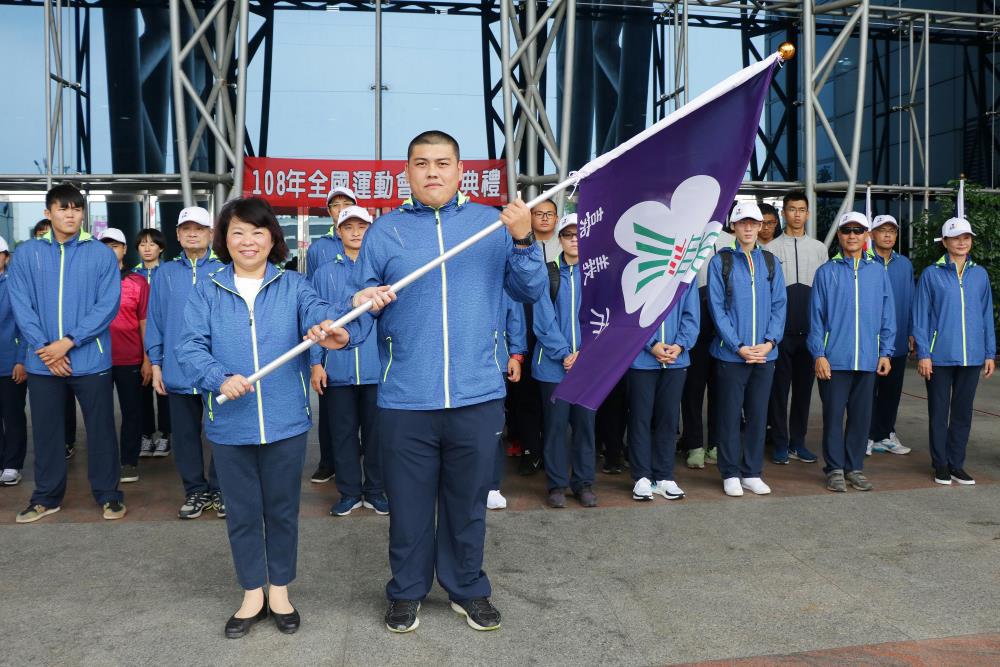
[(288, 182)]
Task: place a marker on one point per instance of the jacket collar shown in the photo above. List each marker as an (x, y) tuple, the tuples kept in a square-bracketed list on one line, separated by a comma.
[(207, 257), (81, 237), (866, 258), (226, 276), (456, 202), (735, 247), (945, 262)]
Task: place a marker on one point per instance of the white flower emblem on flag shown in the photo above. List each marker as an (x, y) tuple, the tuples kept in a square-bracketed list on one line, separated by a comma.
[(669, 244)]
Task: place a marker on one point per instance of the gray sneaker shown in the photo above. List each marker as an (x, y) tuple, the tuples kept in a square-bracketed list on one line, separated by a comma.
[(162, 447), (557, 498), (147, 447), (858, 480), (835, 481), (129, 474), (586, 496)]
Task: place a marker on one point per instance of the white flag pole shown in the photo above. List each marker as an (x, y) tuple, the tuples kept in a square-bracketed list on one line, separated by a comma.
[(403, 282)]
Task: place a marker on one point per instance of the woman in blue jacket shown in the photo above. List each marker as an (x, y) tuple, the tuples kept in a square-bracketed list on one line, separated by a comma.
[(746, 297), (556, 324), (242, 317), (954, 336), (13, 389), (655, 384)]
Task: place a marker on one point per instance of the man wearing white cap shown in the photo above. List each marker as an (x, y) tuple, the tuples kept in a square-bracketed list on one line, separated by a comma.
[(328, 246), (13, 389), (954, 337), (746, 297), (889, 389), (168, 294), (347, 384), (130, 367), (852, 336)]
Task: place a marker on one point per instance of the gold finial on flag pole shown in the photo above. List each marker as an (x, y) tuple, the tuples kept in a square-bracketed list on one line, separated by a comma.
[(786, 51)]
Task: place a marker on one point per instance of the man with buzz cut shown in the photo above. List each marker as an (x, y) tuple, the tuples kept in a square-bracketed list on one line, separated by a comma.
[(64, 289), (440, 396), (328, 246)]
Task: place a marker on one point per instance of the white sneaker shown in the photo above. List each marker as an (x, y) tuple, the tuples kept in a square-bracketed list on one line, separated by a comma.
[(10, 477), (147, 447), (495, 501), (162, 447), (668, 489), (755, 485), (869, 447), (642, 490), (731, 485), (894, 446)]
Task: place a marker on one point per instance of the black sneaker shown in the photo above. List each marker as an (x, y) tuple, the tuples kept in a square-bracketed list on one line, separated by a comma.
[(219, 504), (961, 476), (322, 475), (479, 613), (942, 476), (557, 498), (528, 464), (401, 616), (70, 450), (194, 505), (586, 496)]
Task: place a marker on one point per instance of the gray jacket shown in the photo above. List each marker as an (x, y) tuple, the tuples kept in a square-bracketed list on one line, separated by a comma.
[(800, 257)]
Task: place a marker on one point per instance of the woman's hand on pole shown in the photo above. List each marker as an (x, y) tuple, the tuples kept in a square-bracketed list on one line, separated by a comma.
[(236, 387), (380, 297), (327, 336)]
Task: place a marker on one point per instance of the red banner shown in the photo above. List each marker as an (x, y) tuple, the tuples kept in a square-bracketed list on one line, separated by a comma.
[(289, 182)]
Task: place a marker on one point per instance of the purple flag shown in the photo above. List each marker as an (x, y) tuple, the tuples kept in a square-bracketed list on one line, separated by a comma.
[(648, 217)]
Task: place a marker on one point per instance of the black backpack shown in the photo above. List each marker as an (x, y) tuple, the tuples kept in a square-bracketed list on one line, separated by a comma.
[(554, 280), (727, 270)]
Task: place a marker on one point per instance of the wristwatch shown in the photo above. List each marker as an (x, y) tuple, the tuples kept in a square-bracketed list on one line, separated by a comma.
[(526, 241)]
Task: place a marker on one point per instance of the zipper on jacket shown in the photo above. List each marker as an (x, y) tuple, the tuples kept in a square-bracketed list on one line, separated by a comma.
[(444, 308), (574, 317), (933, 340), (305, 393), (62, 265), (496, 345), (857, 309), (961, 292), (795, 242), (753, 295), (357, 365), (388, 339), (211, 414), (663, 336)]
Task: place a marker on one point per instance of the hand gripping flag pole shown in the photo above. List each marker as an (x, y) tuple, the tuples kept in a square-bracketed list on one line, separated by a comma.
[(401, 283), (785, 52)]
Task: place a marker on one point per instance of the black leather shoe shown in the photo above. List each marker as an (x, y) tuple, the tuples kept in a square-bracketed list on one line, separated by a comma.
[(287, 623), (240, 627)]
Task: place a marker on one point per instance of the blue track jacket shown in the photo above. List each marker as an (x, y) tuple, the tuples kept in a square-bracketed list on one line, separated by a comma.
[(360, 365), (557, 326), (323, 250), (510, 336), (66, 289), (757, 311), (172, 284), (953, 316), (852, 314), (436, 341), (220, 338), (900, 271), (680, 327), (141, 269), (12, 348)]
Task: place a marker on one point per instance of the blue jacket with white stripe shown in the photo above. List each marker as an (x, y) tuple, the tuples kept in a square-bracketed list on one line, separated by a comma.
[(360, 365), (953, 315), (756, 312), (436, 341), (222, 336), (557, 326), (323, 250), (66, 289), (12, 348), (852, 314), (679, 327), (900, 272), (171, 286)]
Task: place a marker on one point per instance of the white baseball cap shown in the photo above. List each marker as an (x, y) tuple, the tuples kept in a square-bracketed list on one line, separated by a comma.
[(195, 214), (341, 190), (884, 220), (566, 221), (746, 209), (955, 227), (112, 234), (352, 212), (853, 216), (3, 245)]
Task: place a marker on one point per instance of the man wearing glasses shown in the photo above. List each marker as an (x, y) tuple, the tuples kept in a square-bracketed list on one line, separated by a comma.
[(800, 257), (852, 332), (543, 224)]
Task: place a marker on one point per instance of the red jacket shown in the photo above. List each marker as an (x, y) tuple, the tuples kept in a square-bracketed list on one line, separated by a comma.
[(126, 340)]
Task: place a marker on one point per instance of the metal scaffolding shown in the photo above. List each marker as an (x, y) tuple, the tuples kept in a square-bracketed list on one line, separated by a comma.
[(520, 36)]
